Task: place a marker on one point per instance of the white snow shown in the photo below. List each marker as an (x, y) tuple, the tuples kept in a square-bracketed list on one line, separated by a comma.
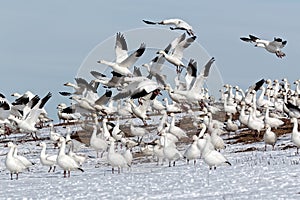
[(253, 175)]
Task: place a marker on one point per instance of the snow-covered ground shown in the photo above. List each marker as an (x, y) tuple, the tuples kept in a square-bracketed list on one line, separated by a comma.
[(253, 175)]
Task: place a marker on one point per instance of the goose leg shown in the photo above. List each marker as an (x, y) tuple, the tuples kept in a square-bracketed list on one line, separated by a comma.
[(50, 169), (54, 168)]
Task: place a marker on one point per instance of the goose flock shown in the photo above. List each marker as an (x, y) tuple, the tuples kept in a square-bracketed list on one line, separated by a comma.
[(135, 112)]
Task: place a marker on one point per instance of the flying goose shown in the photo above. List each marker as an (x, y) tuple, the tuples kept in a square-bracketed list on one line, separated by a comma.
[(175, 57), (123, 60), (274, 46), (177, 23)]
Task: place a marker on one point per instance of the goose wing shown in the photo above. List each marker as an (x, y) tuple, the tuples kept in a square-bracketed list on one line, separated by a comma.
[(132, 58), (120, 48)]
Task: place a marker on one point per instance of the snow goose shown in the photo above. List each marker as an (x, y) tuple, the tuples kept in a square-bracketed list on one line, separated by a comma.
[(115, 159), (137, 131), (271, 121), (170, 151), (210, 156), (27, 163), (230, 125), (140, 111), (217, 141), (254, 123), (67, 113), (269, 137), (54, 136), (66, 162), (178, 23), (158, 152), (31, 114), (229, 108), (295, 133), (274, 46), (80, 158), (201, 141), (171, 108), (292, 110), (157, 106), (128, 156), (98, 143), (193, 151), (117, 133), (47, 160), (123, 60), (261, 101), (175, 130), (175, 58), (146, 89), (5, 109), (239, 94), (13, 164), (192, 94)]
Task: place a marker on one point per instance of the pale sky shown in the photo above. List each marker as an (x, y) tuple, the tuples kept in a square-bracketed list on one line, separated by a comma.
[(42, 43)]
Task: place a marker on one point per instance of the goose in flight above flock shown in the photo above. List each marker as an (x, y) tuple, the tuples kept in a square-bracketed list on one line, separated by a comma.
[(123, 60), (274, 46), (178, 23)]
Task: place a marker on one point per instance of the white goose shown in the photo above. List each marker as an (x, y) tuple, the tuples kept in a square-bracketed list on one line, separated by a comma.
[(171, 107), (212, 157), (274, 46), (137, 131), (254, 123), (178, 23), (115, 159), (123, 60), (170, 151), (193, 151), (175, 130), (98, 143), (295, 133), (128, 156), (140, 111), (47, 160), (271, 121), (230, 125), (175, 58), (66, 162), (269, 137), (13, 164), (27, 163), (158, 151), (217, 141)]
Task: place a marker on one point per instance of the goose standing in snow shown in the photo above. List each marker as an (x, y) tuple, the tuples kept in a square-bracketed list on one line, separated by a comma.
[(193, 151), (27, 163), (177, 23), (115, 159), (170, 151), (66, 162), (269, 137), (13, 164), (47, 160), (123, 60), (158, 152), (212, 157), (295, 134), (274, 46), (98, 143)]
